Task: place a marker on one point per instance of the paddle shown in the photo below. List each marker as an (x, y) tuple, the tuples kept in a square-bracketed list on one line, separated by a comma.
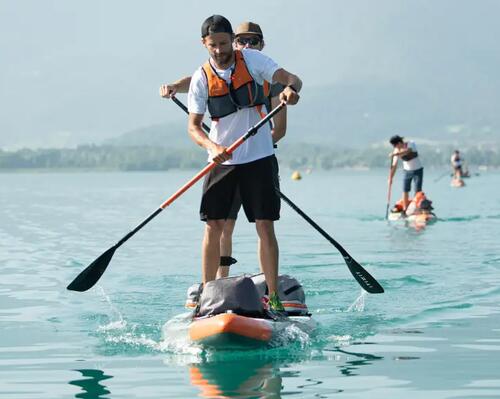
[(88, 277), (389, 189), (364, 278), (440, 177), (388, 200)]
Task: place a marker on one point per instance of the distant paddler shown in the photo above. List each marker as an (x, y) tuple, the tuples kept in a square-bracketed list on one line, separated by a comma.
[(456, 164), (248, 35), (412, 166)]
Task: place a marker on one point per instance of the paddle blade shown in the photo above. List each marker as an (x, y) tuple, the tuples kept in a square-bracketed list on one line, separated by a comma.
[(365, 279), (87, 278)]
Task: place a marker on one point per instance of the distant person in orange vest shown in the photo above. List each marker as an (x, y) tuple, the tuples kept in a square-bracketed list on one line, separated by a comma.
[(247, 35), (412, 166)]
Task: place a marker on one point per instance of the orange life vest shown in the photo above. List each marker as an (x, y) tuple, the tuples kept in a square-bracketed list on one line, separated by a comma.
[(399, 205), (242, 92), (419, 197)]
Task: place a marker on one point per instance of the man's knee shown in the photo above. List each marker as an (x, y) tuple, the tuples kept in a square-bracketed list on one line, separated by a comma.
[(265, 228), (214, 228)]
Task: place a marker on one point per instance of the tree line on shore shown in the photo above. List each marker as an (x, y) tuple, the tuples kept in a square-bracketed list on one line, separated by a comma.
[(294, 156)]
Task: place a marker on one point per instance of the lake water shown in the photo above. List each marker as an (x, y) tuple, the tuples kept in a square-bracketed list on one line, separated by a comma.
[(434, 333)]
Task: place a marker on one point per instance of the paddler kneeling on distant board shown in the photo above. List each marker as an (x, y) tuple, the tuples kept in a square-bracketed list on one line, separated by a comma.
[(412, 166)]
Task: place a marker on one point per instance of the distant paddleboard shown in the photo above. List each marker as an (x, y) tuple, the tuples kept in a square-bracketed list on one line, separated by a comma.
[(457, 183), (419, 219)]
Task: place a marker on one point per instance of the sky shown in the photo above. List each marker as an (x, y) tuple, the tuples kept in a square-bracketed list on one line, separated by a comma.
[(79, 71)]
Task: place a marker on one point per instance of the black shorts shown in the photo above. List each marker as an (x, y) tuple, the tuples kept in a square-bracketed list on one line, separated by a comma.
[(254, 182), (235, 206)]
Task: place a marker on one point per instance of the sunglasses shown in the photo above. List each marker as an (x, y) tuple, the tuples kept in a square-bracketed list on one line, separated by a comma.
[(252, 41)]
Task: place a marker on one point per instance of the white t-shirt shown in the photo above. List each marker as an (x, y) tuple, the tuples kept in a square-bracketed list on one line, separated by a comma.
[(230, 128), (412, 164), (456, 161)]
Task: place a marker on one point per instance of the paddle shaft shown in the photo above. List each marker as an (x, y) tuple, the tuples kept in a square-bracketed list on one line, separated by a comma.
[(440, 177), (364, 279), (342, 251), (388, 199), (185, 109)]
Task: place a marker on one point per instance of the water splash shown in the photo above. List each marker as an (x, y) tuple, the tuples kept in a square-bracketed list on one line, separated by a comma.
[(120, 323), (175, 337), (359, 304), (113, 325), (292, 334), (121, 334), (132, 340), (338, 341)]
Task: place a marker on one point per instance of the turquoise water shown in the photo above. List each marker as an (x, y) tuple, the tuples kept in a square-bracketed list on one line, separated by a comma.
[(435, 333)]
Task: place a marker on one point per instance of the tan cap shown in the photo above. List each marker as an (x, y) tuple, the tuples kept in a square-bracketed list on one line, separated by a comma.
[(249, 28)]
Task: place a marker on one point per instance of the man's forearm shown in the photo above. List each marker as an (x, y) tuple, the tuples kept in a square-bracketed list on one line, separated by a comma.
[(279, 121), (294, 80), (277, 135), (199, 136), (393, 171), (287, 79), (405, 152), (182, 84)]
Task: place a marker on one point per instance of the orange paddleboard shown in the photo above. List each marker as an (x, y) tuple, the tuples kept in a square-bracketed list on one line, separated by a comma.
[(229, 330)]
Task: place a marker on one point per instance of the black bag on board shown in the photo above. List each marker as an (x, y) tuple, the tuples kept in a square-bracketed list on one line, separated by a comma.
[(236, 294)]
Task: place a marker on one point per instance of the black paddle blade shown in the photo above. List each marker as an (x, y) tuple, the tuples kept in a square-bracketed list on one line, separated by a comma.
[(87, 279), (364, 278)]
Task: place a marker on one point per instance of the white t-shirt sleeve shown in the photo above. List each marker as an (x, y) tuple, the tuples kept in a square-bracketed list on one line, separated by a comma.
[(198, 93), (260, 66)]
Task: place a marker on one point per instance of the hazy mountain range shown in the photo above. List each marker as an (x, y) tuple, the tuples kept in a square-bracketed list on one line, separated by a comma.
[(360, 115)]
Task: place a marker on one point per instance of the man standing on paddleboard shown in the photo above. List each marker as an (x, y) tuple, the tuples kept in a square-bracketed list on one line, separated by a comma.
[(231, 85), (413, 169), (247, 35), (456, 164)]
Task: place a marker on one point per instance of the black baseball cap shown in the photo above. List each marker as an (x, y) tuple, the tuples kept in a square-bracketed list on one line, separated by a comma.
[(216, 24), (396, 139)]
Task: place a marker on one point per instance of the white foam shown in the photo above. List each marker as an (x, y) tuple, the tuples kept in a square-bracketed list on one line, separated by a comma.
[(341, 340), (114, 325), (359, 304), (175, 337)]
